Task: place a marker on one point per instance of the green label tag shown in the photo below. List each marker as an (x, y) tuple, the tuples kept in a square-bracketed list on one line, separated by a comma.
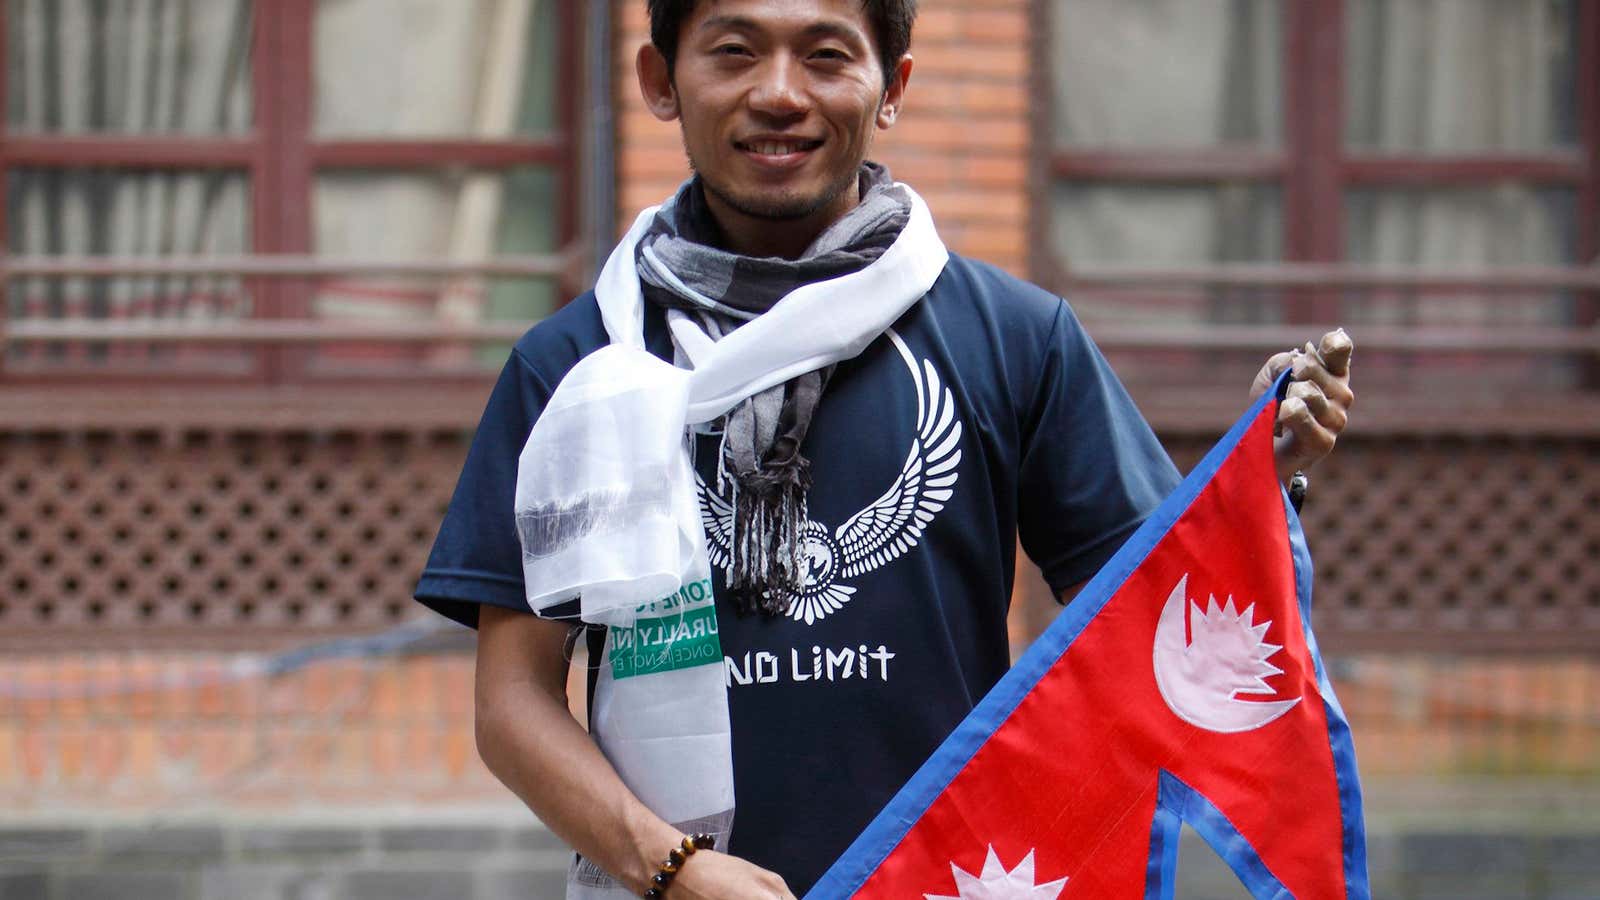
[(681, 640)]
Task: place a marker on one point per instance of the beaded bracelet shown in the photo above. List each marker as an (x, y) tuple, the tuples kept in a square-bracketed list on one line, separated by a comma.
[(674, 861)]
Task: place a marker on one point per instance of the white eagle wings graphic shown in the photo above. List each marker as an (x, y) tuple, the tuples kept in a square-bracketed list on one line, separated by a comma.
[(886, 529)]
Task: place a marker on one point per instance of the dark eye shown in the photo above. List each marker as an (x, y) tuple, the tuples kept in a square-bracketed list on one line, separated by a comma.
[(831, 54), (731, 50)]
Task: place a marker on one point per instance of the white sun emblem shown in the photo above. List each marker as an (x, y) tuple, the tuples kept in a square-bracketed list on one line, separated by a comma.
[(1202, 679), (995, 883), (884, 531)]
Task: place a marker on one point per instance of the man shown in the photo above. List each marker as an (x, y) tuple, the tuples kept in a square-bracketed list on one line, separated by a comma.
[(862, 519)]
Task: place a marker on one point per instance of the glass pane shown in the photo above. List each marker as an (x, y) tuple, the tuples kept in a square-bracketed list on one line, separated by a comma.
[(473, 68), (1166, 226), (470, 215), (133, 67), (1463, 229), (1454, 76), (93, 212), (1167, 73)]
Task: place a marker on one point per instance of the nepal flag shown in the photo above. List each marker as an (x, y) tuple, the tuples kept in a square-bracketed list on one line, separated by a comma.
[(1147, 704)]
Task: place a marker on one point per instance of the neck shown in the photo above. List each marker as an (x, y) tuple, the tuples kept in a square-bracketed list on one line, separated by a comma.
[(758, 236)]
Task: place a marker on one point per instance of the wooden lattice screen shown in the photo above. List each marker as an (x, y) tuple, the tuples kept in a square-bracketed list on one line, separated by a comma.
[(211, 539), (264, 538), (1454, 543)]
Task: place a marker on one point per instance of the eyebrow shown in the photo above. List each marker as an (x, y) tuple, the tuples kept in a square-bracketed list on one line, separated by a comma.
[(815, 30)]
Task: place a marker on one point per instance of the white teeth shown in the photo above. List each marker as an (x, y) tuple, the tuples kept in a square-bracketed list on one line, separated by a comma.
[(772, 148)]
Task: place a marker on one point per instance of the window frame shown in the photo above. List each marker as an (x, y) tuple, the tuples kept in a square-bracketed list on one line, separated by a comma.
[(282, 156), (1313, 169)]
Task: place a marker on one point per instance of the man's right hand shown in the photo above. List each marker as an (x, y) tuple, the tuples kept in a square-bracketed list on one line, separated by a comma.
[(530, 741), (709, 875)]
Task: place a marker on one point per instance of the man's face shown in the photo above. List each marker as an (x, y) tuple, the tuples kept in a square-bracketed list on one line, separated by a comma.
[(778, 100)]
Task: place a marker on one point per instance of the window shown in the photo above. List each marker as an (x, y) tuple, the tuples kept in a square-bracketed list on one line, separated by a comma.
[(286, 190), (1228, 175)]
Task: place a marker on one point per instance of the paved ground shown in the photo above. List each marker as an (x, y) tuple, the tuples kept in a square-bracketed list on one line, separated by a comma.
[(1427, 841)]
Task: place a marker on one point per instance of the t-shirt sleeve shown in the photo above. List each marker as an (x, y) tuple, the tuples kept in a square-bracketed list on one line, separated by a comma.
[(477, 557), (1091, 469)]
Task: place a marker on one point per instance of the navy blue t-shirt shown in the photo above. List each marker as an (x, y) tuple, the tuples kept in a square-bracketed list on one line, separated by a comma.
[(984, 413)]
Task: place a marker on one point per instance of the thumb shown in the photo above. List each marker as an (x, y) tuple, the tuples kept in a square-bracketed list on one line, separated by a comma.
[(1335, 349)]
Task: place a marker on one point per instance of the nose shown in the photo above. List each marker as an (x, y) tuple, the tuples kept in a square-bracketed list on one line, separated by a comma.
[(780, 89)]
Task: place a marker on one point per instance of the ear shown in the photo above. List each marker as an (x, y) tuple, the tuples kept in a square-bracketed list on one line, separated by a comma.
[(655, 83), (894, 94)]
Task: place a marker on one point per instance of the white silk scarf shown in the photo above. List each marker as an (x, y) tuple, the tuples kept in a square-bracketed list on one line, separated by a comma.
[(606, 510)]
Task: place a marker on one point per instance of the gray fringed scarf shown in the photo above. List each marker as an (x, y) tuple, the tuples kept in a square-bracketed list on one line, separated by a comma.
[(680, 267)]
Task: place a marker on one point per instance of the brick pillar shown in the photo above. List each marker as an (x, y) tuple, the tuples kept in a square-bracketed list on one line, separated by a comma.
[(650, 160), (962, 140)]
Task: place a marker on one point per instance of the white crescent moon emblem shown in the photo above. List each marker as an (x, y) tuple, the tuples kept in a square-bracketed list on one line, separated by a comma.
[(1201, 680)]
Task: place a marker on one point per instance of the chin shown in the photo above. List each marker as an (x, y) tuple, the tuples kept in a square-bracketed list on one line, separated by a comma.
[(781, 207), (779, 204)]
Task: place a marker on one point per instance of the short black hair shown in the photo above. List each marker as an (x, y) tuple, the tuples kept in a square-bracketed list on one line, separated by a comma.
[(891, 25)]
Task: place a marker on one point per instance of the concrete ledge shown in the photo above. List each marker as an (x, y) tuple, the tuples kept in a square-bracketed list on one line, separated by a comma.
[(500, 857)]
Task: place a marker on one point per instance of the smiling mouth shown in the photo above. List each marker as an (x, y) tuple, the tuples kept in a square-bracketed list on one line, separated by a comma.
[(777, 148)]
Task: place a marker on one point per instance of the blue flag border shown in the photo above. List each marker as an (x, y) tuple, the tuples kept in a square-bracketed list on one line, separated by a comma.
[(889, 828), (1177, 803)]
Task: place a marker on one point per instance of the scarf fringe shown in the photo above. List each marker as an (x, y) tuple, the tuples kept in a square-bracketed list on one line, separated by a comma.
[(767, 569)]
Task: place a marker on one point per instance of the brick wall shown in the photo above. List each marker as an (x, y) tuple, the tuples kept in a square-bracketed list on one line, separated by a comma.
[(174, 734), (179, 733), (961, 142)]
